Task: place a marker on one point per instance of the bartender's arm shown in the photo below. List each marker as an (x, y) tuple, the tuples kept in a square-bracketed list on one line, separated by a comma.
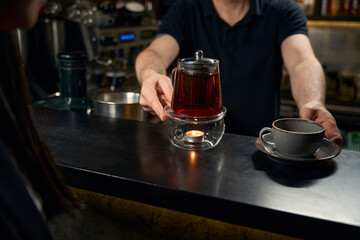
[(308, 85), (150, 66)]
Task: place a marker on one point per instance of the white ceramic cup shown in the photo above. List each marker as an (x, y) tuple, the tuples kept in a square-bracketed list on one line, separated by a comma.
[(294, 137)]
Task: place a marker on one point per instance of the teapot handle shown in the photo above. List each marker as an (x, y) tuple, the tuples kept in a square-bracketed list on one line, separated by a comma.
[(173, 76)]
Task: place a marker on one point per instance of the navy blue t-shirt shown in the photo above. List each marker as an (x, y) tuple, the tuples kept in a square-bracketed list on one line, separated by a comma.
[(249, 54)]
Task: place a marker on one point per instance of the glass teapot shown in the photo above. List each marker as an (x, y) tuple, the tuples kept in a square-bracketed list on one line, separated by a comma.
[(197, 88)]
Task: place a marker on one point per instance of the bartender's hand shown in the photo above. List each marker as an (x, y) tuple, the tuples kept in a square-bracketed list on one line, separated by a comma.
[(317, 112), (156, 93)]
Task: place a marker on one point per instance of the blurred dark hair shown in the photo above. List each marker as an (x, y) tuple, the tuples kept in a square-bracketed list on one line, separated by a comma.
[(20, 136)]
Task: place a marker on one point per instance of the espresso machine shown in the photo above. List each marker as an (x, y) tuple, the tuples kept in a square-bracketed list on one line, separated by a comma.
[(195, 119)]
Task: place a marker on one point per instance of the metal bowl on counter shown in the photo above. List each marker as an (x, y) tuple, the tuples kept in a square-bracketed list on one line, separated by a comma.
[(123, 105)]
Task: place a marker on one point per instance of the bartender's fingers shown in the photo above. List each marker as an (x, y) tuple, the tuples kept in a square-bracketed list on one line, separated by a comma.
[(164, 87), (150, 101), (149, 110), (331, 130), (321, 115), (163, 100), (334, 136)]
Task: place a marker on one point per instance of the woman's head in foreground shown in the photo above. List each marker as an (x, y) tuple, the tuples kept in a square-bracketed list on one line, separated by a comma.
[(21, 14)]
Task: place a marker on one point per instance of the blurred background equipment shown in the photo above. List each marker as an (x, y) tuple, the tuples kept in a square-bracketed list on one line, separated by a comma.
[(81, 50), (106, 31)]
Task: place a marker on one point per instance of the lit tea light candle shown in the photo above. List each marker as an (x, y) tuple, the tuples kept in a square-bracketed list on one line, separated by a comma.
[(195, 136)]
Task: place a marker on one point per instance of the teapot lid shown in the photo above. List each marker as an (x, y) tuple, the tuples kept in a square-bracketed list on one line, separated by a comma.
[(198, 59)]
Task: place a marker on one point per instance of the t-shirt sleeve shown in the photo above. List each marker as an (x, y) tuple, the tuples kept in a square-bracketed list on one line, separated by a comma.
[(176, 21), (292, 20)]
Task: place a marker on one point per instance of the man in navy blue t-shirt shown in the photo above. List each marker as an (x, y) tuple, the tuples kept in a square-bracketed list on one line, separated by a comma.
[(252, 39)]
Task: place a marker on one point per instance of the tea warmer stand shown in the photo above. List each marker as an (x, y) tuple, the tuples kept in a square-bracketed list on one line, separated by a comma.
[(194, 133)]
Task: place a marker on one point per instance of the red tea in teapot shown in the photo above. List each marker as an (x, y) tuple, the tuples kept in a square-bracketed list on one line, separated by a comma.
[(197, 95)]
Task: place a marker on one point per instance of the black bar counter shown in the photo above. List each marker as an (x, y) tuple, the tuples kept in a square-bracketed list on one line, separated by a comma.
[(233, 182)]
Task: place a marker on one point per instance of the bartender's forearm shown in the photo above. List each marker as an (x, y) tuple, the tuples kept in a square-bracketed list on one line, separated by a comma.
[(157, 57), (306, 74), (308, 82), (146, 62)]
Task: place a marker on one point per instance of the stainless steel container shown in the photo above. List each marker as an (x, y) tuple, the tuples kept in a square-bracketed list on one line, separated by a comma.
[(119, 105)]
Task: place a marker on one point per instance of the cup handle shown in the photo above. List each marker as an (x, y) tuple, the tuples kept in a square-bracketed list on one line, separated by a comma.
[(261, 136), (173, 76)]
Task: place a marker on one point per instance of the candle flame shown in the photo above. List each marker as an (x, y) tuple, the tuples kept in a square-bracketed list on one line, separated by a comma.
[(195, 133)]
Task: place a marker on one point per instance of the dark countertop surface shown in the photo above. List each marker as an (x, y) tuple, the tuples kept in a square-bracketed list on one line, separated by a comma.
[(233, 182)]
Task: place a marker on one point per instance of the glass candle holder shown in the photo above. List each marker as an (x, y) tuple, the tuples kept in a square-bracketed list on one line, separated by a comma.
[(194, 133)]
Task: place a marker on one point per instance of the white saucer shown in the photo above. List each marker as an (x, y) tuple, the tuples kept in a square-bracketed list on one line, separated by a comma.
[(326, 151)]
